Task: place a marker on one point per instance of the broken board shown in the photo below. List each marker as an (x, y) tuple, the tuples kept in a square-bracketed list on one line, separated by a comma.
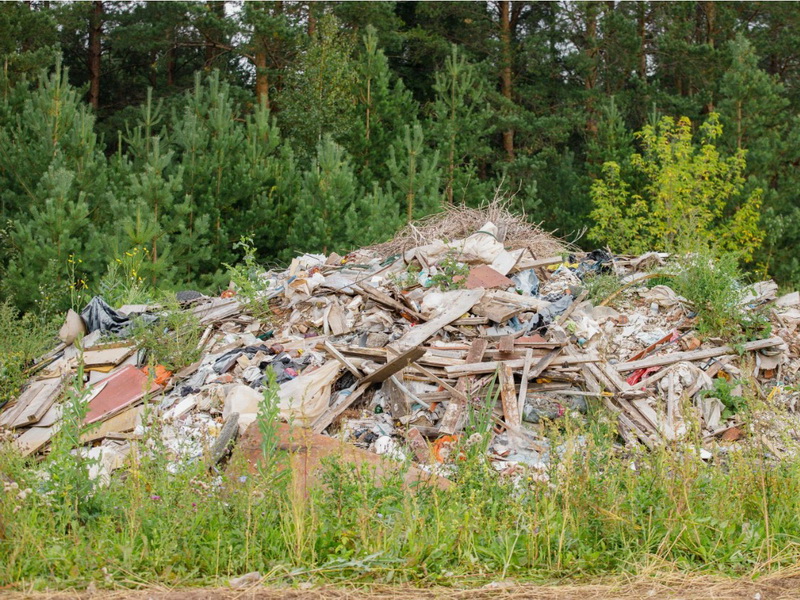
[(460, 304), (394, 365), (123, 388), (33, 403)]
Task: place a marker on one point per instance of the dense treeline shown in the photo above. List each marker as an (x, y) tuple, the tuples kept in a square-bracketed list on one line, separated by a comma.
[(148, 138)]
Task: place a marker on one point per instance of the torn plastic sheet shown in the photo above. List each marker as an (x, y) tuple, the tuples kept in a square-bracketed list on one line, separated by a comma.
[(526, 283), (99, 316)]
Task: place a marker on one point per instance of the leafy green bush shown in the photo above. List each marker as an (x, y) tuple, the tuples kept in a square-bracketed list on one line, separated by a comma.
[(450, 274), (723, 389), (713, 283), (677, 195)]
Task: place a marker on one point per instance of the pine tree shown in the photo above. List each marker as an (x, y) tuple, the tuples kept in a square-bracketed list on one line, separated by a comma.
[(415, 176), (27, 42), (384, 107), (320, 93), (755, 109), (332, 212), (460, 122), (53, 177)]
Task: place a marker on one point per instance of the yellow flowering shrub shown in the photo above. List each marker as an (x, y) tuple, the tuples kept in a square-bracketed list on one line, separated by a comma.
[(679, 194)]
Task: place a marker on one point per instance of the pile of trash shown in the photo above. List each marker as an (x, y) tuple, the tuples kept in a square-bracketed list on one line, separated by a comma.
[(391, 349)]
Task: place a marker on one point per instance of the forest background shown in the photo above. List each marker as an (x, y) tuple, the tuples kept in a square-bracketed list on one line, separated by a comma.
[(146, 140)]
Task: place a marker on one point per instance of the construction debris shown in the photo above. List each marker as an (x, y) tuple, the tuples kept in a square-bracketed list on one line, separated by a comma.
[(397, 358)]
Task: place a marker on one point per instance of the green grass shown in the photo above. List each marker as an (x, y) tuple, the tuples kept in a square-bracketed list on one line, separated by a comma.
[(715, 286), (23, 339), (595, 516)]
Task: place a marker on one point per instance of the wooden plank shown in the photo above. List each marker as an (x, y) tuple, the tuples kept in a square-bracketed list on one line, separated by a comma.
[(546, 361), (575, 302), (338, 356), (471, 321), (452, 420), (51, 417), (652, 418), (613, 376), (386, 300), (396, 364), (216, 310), (523, 388), (40, 401), (34, 438), (336, 319), (107, 356), (542, 262), (508, 397), (395, 393), (672, 402), (498, 311), (13, 412), (506, 344), (444, 384), (669, 359), (120, 423), (458, 306), (326, 418), (490, 367)]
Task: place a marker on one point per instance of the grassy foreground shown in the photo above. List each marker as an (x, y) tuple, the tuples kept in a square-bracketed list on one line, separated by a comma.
[(597, 511)]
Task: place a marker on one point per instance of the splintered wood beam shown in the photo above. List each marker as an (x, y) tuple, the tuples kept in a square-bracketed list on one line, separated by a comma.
[(326, 418), (330, 349), (669, 359), (508, 396), (454, 414), (523, 388), (491, 367), (394, 365)]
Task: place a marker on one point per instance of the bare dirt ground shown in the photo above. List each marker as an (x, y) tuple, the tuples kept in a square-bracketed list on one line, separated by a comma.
[(670, 586)]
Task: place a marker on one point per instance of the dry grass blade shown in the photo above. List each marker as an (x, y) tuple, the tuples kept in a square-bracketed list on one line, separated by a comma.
[(460, 221)]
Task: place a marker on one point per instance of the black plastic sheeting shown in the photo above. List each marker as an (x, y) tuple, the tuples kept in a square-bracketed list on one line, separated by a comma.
[(100, 316)]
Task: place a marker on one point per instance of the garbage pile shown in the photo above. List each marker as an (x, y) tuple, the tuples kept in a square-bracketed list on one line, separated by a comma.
[(394, 349)]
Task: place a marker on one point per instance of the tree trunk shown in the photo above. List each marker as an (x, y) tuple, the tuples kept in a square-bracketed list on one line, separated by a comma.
[(711, 18), (312, 20), (642, 26), (591, 75), (171, 66), (214, 34), (95, 49), (262, 77), (505, 72)]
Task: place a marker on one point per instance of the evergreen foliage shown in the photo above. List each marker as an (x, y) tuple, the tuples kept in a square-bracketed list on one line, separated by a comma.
[(175, 129)]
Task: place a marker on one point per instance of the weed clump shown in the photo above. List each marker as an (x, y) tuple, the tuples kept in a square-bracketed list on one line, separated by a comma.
[(173, 340), (714, 285), (24, 339), (248, 278)]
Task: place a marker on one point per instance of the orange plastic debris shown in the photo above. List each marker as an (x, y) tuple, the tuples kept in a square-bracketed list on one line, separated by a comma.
[(162, 374), (443, 448)]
